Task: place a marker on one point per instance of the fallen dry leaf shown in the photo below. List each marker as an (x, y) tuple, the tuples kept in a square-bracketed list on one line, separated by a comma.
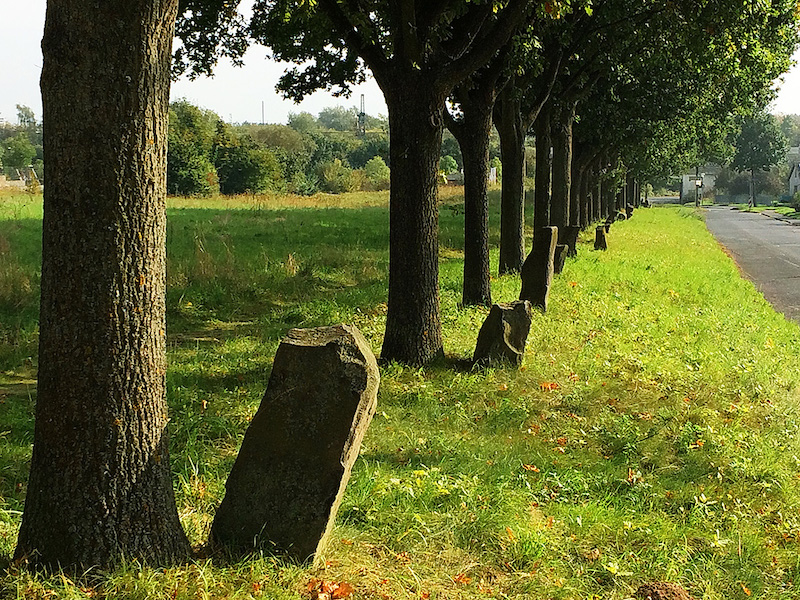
[(593, 554), (321, 589)]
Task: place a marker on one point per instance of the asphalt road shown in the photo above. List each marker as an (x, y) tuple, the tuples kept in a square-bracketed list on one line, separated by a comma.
[(767, 251)]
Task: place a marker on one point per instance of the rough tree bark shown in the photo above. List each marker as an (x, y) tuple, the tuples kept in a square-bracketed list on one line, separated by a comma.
[(561, 119), (476, 99), (544, 162), (577, 199), (511, 129), (100, 486), (413, 322)]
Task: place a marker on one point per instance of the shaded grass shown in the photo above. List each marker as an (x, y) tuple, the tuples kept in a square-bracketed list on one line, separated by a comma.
[(652, 433)]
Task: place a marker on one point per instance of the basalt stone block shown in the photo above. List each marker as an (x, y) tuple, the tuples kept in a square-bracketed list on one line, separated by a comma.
[(538, 268), (503, 334), (600, 238), (289, 477), (559, 258)]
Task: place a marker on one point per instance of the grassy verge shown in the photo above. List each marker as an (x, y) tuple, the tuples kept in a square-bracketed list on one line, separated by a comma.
[(652, 433)]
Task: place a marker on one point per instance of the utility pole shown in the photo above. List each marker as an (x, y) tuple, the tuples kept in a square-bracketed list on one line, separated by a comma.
[(361, 128)]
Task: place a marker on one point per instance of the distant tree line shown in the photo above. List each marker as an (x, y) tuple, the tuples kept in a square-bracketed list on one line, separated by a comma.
[(21, 145), (756, 162), (307, 155)]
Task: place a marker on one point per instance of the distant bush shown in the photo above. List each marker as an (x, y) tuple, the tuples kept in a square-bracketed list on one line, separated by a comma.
[(243, 166), (336, 178), (18, 152), (190, 170), (189, 173), (374, 144), (377, 174), (448, 164), (303, 185)]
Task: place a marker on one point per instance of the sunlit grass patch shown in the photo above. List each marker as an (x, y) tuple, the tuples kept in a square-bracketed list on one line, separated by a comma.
[(652, 432)]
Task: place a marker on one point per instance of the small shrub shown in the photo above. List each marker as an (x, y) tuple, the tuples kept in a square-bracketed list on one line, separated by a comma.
[(448, 164), (377, 174), (244, 167), (337, 178), (303, 185)]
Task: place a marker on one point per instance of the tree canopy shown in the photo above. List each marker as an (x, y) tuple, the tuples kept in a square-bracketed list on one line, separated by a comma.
[(760, 143)]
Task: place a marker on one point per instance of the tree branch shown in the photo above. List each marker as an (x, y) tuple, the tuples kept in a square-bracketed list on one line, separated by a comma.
[(488, 39), (367, 49)]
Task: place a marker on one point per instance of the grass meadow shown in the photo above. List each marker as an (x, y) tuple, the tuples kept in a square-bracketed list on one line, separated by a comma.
[(652, 433)]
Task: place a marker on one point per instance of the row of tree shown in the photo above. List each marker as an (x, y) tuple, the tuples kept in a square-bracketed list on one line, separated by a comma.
[(615, 91)]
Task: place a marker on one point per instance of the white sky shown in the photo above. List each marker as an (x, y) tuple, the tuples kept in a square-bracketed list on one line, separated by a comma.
[(236, 94)]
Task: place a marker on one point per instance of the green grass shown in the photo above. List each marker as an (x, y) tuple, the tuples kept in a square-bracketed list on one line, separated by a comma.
[(651, 434)]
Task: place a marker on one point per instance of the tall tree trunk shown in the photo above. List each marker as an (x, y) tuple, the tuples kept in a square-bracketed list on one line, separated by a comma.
[(561, 119), (576, 191), (630, 191), (472, 133), (544, 162), (608, 192), (597, 206), (511, 130), (100, 484), (413, 322)]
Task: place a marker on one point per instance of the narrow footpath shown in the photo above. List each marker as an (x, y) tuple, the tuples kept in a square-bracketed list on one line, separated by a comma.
[(767, 249)]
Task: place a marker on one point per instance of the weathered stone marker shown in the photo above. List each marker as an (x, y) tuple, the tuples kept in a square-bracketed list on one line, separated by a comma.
[(560, 258), (537, 270), (503, 334), (600, 238), (289, 477)]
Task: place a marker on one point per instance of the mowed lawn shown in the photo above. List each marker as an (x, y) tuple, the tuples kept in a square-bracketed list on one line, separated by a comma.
[(652, 433)]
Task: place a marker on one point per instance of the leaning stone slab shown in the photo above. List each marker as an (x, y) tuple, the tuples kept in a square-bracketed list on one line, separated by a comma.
[(560, 258), (600, 238), (503, 334), (289, 477), (537, 270)]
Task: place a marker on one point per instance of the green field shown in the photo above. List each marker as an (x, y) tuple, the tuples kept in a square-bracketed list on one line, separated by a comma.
[(651, 435)]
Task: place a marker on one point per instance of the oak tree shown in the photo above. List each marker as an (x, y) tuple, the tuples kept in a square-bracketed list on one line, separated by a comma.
[(100, 484), (418, 52)]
